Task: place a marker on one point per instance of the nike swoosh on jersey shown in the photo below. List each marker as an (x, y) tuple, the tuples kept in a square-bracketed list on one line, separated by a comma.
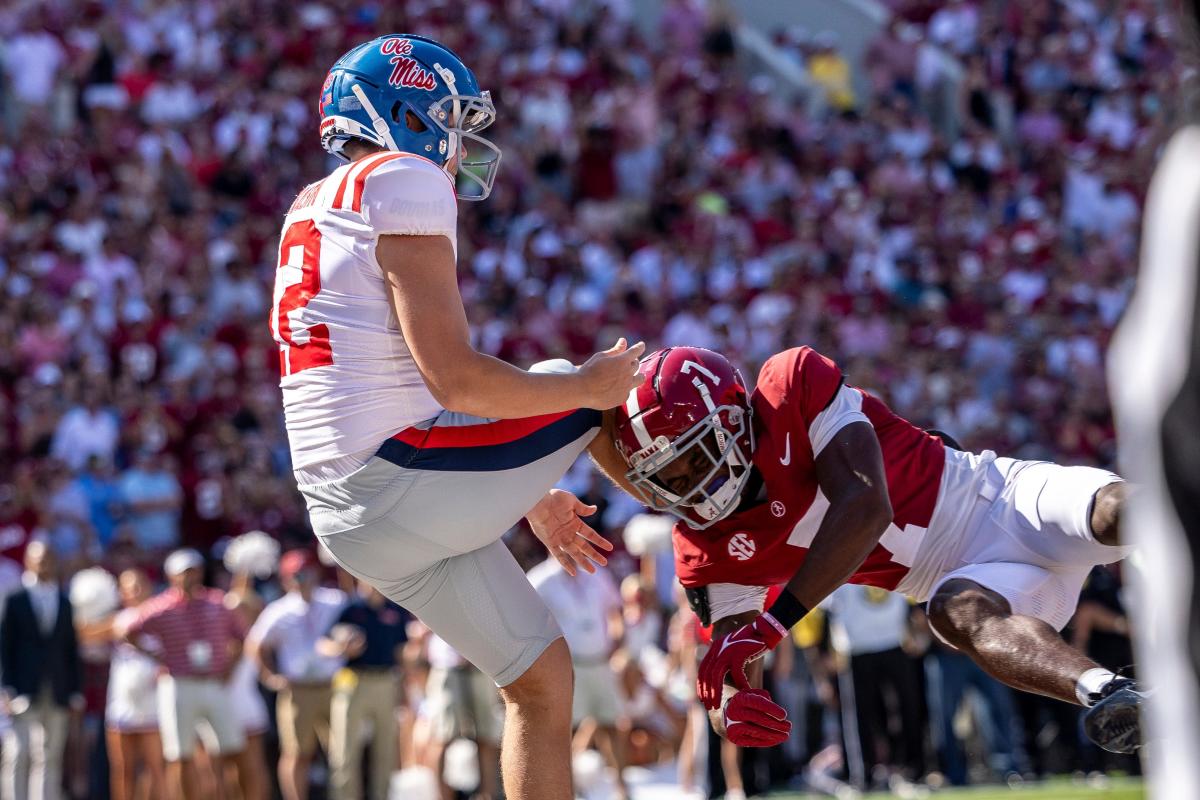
[(787, 450)]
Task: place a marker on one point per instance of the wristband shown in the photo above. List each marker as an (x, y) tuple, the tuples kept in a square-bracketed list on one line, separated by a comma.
[(787, 610)]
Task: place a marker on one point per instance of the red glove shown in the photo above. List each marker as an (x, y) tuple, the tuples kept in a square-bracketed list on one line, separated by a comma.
[(752, 719), (730, 655)]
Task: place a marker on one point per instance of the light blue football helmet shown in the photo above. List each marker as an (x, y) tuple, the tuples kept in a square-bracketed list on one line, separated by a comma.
[(371, 87)]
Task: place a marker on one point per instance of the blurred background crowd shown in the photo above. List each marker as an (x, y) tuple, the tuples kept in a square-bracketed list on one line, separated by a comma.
[(951, 213)]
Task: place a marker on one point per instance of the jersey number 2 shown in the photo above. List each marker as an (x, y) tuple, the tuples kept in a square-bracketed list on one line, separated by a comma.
[(297, 281)]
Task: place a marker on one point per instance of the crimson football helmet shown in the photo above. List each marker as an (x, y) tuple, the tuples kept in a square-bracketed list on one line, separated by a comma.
[(693, 405)]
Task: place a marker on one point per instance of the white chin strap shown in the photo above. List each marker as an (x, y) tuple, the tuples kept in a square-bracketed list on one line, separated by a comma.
[(453, 142), (378, 124), (722, 498)]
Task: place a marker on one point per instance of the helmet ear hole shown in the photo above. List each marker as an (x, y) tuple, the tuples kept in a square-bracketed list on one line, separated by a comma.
[(395, 115), (414, 123)]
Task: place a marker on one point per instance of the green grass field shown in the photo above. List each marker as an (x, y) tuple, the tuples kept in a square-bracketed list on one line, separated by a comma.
[(1118, 789)]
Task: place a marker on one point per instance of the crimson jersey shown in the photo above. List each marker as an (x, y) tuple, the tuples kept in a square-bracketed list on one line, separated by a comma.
[(799, 402)]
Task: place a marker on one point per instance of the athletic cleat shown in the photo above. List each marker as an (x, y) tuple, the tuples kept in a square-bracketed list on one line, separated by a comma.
[(1114, 721)]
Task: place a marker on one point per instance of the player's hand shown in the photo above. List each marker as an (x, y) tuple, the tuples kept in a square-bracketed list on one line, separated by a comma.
[(730, 654), (753, 719), (611, 374), (556, 521)]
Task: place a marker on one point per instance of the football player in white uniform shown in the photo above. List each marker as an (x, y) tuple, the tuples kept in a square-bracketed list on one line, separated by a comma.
[(414, 452)]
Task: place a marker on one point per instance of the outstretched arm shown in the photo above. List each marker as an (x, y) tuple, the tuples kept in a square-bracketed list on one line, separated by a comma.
[(420, 272), (604, 453), (851, 475)]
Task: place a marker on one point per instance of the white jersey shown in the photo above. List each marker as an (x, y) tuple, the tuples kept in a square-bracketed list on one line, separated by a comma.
[(349, 380)]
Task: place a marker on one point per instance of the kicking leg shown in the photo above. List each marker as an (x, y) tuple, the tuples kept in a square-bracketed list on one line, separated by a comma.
[(534, 757), (483, 606)]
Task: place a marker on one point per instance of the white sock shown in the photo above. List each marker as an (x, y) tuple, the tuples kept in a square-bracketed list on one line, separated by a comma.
[(1091, 682)]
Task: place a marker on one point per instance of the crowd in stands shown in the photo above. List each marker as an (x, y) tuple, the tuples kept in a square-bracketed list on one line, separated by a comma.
[(954, 219)]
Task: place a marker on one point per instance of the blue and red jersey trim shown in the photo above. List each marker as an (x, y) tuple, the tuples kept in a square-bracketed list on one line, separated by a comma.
[(488, 446)]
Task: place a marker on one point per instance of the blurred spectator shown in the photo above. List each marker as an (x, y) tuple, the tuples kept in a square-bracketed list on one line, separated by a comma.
[(131, 714), (152, 499), (87, 431), (369, 635), (950, 676), (588, 609), (97, 486), (955, 25), (32, 59), (641, 619), (197, 641), (67, 516), (40, 671), (831, 71), (880, 693), (247, 557), (462, 703), (652, 726), (283, 642)]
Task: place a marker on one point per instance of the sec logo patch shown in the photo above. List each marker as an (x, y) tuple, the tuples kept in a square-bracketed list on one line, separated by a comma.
[(778, 509), (741, 546)]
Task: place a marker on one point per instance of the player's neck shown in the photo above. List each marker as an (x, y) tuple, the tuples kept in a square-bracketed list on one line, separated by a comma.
[(362, 151)]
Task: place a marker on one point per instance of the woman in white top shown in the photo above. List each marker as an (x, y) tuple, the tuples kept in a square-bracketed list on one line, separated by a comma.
[(135, 757), (250, 556)]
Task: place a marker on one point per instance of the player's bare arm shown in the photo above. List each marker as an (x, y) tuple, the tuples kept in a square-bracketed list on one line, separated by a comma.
[(851, 475), (420, 272), (604, 454)]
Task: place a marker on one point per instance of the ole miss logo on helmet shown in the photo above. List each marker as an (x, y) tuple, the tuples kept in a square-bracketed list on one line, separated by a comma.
[(405, 69), (326, 97)]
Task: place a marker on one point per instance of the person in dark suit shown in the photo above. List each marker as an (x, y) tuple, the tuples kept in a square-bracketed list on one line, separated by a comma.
[(41, 676)]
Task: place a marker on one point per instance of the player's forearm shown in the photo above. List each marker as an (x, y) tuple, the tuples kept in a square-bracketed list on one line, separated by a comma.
[(478, 384), (608, 460), (849, 532)]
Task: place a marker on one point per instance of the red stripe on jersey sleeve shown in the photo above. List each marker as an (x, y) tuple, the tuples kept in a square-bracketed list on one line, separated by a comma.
[(360, 181), (341, 192)]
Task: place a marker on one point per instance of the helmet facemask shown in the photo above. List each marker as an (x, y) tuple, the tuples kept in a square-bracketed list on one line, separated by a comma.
[(712, 442), (461, 117)]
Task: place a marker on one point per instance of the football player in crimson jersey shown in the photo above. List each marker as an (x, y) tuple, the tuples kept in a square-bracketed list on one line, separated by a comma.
[(810, 483), (414, 452)]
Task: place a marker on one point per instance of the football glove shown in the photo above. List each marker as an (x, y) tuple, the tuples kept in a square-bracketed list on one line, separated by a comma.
[(730, 654), (752, 719)]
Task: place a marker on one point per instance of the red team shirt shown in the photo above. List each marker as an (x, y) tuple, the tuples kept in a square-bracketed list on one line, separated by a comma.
[(765, 544)]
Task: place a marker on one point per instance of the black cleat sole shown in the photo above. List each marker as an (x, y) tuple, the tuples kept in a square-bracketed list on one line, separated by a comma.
[(1115, 723)]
